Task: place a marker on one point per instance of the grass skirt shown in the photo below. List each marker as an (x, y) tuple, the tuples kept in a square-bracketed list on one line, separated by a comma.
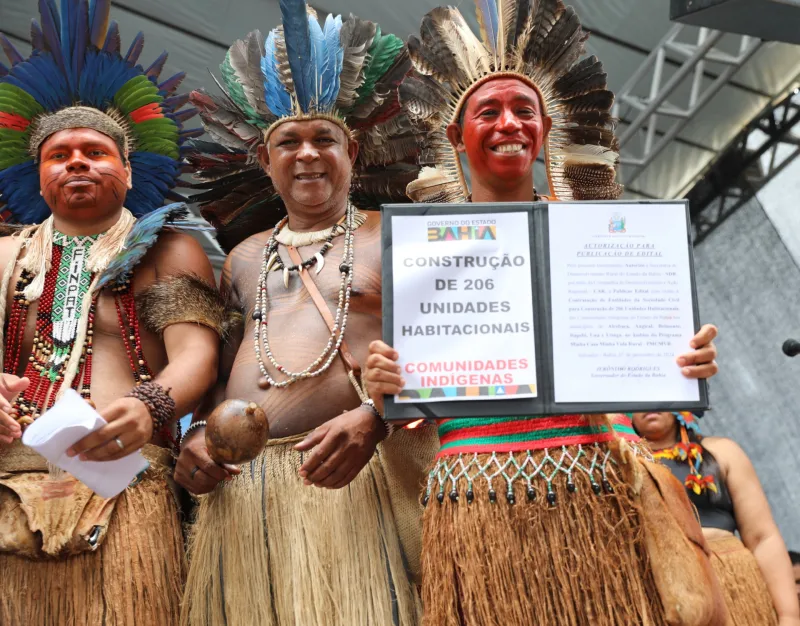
[(571, 556), (134, 578), (268, 551), (745, 591)]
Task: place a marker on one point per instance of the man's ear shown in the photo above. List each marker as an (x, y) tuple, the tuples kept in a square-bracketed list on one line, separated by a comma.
[(352, 150), (455, 137), (547, 124), (128, 174), (262, 152)]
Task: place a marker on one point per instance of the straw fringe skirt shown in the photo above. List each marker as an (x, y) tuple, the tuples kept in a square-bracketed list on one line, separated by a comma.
[(268, 551), (746, 593), (134, 578), (580, 562)]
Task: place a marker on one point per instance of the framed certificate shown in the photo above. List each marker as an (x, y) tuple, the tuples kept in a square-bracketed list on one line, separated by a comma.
[(517, 309)]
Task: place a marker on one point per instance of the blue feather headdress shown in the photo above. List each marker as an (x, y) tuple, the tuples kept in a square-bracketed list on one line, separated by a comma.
[(344, 71), (77, 60)]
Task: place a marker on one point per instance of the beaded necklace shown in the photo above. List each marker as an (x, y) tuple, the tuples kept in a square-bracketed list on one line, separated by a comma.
[(261, 334), (58, 315)]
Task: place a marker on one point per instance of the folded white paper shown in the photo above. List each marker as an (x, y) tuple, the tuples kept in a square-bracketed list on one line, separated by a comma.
[(68, 421)]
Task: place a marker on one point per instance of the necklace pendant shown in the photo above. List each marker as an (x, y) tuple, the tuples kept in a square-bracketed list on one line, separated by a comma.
[(320, 261), (272, 259), (263, 383), (286, 277)]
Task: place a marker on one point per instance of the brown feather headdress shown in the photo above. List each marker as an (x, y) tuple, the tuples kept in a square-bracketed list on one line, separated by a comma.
[(538, 42), (346, 72)]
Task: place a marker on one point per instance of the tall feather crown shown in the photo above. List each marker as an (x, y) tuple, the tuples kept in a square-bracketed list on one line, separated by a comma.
[(346, 71), (76, 60), (538, 42)]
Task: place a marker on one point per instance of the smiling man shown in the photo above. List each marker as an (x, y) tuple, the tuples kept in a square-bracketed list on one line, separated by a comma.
[(306, 533), (88, 304), (531, 519)]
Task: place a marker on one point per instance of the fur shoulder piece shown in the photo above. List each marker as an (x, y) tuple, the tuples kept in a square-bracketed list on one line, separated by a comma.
[(185, 298), (140, 239)]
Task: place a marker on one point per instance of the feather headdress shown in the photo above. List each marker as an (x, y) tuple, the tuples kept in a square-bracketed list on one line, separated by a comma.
[(76, 60), (538, 42), (345, 71)]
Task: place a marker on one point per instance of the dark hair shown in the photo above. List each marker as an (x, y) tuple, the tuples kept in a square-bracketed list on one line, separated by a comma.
[(795, 557), (709, 466)]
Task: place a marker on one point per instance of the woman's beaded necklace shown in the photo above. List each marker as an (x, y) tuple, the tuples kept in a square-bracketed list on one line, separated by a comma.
[(261, 334)]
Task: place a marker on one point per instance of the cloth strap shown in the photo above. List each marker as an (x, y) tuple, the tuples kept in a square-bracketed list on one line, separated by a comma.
[(350, 361)]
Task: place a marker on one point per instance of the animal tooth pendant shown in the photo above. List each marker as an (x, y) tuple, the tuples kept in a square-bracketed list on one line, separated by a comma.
[(320, 261), (271, 262), (286, 277)]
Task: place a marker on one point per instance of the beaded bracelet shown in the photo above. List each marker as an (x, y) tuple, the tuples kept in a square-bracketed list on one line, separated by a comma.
[(369, 403), (192, 427), (157, 401)]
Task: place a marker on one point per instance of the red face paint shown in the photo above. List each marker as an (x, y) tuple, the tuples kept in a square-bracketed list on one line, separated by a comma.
[(502, 131), (82, 175)]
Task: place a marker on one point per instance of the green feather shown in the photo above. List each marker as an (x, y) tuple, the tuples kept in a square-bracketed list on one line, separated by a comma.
[(15, 100), (11, 156), (382, 53), (136, 93), (10, 138), (235, 89), (158, 146)]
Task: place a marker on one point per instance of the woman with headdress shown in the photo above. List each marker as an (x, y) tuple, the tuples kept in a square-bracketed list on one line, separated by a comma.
[(530, 519), (756, 572)]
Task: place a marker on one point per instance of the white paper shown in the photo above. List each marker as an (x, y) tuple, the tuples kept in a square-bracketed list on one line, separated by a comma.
[(68, 421), (621, 302), (463, 312)]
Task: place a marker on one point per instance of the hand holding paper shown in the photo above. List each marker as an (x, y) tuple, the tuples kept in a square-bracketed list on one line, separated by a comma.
[(68, 421)]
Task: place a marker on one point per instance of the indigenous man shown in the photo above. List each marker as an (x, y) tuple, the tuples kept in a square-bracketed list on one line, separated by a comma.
[(530, 520), (87, 288), (268, 548)]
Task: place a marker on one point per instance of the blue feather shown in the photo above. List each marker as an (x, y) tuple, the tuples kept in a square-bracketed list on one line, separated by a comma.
[(80, 41), (51, 26), (11, 52), (191, 133), (69, 33), (175, 102), (43, 80), (318, 57), (171, 84), (99, 11), (19, 188), (158, 65), (143, 235), (37, 36), (278, 99), (136, 49), (329, 78), (3, 70), (298, 48), (487, 12), (153, 176), (112, 42)]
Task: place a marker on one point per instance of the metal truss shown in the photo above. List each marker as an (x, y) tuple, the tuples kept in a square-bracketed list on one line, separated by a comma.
[(657, 103), (758, 153)]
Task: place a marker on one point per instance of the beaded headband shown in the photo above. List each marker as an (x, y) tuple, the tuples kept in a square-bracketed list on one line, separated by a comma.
[(537, 43), (110, 124)]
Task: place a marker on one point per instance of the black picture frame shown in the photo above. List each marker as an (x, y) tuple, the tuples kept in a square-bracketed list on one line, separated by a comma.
[(544, 403)]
